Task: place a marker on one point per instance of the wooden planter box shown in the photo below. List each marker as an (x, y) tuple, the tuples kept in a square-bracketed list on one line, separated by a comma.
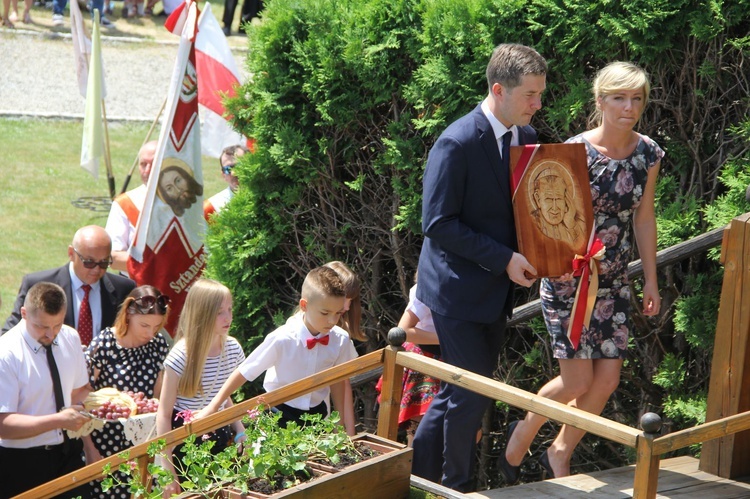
[(385, 476)]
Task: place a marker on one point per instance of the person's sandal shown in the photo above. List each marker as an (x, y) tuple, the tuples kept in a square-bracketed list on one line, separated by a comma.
[(7, 24), (27, 17)]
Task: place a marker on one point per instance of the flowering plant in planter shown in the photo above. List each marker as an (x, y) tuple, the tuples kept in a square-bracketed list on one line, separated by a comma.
[(272, 458), (278, 458)]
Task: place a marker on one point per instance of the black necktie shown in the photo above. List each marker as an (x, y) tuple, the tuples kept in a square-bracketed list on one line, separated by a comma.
[(56, 385), (506, 151)]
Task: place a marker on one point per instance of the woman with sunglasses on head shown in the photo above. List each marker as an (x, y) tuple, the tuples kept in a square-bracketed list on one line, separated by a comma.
[(128, 356)]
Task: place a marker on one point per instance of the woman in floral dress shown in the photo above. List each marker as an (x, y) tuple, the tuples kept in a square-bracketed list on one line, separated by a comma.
[(623, 167), (128, 356)]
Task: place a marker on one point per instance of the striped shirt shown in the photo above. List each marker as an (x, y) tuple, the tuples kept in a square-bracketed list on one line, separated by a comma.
[(215, 372)]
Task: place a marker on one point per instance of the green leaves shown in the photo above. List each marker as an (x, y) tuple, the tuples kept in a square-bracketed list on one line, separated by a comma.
[(276, 451)]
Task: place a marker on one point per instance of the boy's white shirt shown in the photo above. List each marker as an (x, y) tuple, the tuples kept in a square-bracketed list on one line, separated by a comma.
[(285, 358)]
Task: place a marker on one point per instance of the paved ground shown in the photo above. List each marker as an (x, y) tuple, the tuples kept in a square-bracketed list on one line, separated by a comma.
[(38, 78)]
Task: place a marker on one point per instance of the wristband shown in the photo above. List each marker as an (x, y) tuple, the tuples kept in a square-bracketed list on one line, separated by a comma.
[(239, 436)]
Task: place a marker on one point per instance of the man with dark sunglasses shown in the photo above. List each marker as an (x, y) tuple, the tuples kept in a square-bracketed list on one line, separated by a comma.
[(93, 294), (228, 159)]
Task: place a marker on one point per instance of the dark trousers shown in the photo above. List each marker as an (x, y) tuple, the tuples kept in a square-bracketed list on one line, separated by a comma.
[(250, 9), (289, 413), (445, 441), (24, 469)]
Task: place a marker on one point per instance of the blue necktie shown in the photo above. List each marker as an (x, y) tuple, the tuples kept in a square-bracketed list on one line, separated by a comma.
[(506, 151)]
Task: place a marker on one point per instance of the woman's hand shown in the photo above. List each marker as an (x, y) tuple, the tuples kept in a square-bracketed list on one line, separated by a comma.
[(651, 299), (563, 278)]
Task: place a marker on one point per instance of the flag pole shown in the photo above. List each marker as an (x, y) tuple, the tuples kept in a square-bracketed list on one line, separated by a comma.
[(148, 136), (107, 156)]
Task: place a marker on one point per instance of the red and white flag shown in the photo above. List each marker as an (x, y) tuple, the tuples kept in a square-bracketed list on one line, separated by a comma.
[(218, 76), (168, 248)]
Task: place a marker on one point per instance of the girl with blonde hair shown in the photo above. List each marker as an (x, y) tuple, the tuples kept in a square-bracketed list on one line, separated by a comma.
[(201, 360)]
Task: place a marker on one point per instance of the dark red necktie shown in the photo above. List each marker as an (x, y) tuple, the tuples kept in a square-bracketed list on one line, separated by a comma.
[(311, 342), (85, 319)]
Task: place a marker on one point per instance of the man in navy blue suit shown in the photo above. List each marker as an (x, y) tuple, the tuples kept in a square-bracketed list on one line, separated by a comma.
[(469, 260)]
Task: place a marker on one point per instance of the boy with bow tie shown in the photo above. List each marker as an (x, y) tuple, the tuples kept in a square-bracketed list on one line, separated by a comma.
[(308, 343)]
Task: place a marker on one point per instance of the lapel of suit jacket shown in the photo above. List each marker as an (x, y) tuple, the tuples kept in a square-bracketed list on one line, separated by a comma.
[(67, 285), (489, 143), (109, 300)]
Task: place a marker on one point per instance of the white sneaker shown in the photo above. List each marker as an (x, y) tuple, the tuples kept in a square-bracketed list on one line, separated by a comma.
[(106, 22), (57, 19)]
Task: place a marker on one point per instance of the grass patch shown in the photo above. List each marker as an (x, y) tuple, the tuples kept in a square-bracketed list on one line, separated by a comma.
[(41, 179)]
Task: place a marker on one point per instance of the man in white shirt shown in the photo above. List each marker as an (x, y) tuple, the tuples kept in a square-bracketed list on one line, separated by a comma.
[(126, 208), (228, 159), (44, 374)]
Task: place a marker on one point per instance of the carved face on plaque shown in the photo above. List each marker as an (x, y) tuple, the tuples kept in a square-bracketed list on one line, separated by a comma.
[(555, 207)]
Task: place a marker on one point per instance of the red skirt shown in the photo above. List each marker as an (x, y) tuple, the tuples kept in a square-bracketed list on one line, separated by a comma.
[(418, 389)]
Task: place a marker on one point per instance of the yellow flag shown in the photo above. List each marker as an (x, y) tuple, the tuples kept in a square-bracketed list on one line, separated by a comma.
[(92, 144)]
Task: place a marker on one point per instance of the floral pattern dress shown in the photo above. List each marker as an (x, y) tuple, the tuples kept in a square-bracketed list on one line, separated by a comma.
[(616, 191), (126, 369)]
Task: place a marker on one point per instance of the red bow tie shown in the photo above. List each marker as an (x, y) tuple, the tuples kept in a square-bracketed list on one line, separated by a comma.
[(323, 340)]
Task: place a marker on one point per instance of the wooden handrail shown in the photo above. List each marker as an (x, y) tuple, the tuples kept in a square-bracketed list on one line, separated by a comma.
[(702, 433), (210, 423), (603, 427), (647, 448)]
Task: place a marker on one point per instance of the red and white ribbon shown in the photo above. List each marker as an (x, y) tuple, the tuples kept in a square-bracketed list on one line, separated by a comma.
[(587, 268), (519, 170)]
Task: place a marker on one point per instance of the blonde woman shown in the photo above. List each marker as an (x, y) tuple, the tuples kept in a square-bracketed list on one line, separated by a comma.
[(623, 167), (201, 360)]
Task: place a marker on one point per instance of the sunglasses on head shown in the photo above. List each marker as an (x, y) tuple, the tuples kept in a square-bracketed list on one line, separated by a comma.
[(90, 264), (146, 304), (227, 169)]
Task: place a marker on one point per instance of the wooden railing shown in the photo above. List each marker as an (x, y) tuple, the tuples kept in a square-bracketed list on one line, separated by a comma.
[(139, 453), (392, 360), (648, 445)]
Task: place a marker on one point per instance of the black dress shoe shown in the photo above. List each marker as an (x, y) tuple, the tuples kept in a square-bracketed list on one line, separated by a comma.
[(544, 463), (510, 473)]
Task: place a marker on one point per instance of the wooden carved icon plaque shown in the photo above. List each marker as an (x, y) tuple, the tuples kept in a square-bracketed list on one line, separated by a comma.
[(552, 205)]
